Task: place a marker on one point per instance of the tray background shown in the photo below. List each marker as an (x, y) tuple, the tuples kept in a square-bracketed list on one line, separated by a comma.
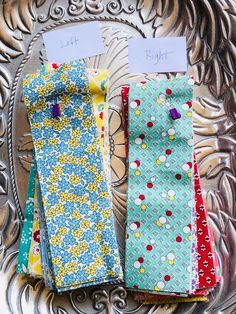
[(210, 28)]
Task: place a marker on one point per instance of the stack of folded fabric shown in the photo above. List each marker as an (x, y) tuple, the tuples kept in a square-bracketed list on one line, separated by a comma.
[(68, 236), (170, 253)]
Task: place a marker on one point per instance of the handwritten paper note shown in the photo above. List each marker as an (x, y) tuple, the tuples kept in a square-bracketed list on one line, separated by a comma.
[(73, 43), (157, 55)]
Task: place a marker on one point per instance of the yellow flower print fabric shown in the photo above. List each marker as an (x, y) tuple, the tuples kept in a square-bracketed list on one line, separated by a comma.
[(74, 190), (98, 83)]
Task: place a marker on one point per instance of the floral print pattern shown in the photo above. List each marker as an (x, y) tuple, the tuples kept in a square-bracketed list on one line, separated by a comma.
[(98, 82), (34, 262), (72, 159)]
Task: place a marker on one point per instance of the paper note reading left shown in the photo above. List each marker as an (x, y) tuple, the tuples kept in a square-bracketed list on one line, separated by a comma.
[(73, 43)]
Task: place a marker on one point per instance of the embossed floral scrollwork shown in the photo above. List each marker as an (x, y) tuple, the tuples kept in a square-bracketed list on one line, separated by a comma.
[(77, 7), (16, 18), (100, 299), (118, 298), (77, 298), (56, 12), (117, 147), (113, 301), (210, 38), (2, 128), (9, 226), (25, 149), (115, 7), (3, 180), (210, 118), (5, 83)]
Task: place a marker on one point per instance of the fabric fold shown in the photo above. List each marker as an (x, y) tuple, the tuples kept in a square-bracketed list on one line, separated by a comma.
[(202, 245), (98, 83), (160, 240), (75, 198)]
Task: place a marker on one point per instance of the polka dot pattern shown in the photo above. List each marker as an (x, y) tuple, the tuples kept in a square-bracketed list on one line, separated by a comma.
[(157, 198)]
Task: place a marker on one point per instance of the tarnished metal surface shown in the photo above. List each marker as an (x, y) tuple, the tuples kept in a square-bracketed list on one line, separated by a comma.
[(210, 28)]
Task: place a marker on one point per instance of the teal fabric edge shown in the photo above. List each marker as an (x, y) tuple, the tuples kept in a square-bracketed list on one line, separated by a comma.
[(22, 265)]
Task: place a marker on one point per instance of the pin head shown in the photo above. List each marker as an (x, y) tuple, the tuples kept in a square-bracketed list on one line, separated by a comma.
[(174, 113), (56, 112)]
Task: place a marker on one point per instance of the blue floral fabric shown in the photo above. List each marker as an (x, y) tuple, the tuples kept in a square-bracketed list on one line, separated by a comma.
[(79, 230)]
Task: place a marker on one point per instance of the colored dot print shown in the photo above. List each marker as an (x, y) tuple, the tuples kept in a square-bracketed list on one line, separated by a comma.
[(139, 141), (158, 197), (137, 173), (149, 247), (141, 260), (161, 221), (135, 225), (178, 239), (178, 176), (161, 99), (161, 159), (171, 133), (160, 285), (167, 278), (171, 258), (135, 166), (187, 167), (171, 194), (143, 207), (134, 104)]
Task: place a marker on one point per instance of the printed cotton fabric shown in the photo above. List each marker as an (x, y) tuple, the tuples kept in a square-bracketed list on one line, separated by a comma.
[(75, 196), (207, 265), (98, 83), (207, 260), (22, 266), (34, 262), (160, 188)]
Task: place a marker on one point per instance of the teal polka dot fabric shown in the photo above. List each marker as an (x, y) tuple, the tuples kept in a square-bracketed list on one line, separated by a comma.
[(160, 238)]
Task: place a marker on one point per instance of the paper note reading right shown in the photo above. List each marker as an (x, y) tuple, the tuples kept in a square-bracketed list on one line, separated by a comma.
[(152, 55)]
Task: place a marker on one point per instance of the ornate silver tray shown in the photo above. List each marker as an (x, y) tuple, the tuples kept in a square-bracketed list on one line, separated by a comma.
[(210, 29)]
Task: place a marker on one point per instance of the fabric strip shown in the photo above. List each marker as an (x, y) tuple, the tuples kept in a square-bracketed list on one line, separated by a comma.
[(77, 206), (22, 265), (159, 237)]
